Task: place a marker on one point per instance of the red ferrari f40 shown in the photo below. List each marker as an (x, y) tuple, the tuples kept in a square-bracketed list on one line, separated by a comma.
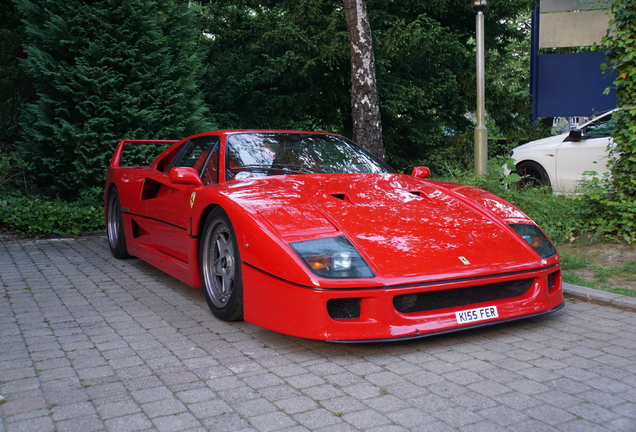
[(306, 234)]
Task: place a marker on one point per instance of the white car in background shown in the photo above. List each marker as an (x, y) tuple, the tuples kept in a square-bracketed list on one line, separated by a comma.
[(560, 161)]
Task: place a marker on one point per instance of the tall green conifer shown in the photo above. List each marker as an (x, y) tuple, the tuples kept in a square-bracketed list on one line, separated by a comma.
[(106, 70), (15, 87)]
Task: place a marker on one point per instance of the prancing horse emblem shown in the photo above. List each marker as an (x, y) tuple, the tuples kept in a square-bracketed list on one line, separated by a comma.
[(464, 260)]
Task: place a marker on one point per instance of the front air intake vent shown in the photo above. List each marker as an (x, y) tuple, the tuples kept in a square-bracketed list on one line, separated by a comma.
[(420, 302), (346, 308), (553, 279)]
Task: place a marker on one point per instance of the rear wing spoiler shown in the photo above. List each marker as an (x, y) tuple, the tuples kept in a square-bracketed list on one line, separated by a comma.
[(115, 161)]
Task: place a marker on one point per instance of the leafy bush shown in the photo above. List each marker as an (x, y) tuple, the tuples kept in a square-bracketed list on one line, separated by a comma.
[(614, 201), (562, 217), (37, 215), (607, 215), (10, 169)]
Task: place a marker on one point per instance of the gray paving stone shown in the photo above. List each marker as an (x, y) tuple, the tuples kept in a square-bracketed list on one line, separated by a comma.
[(366, 419), (88, 343), (621, 424), (297, 404), (317, 418), (343, 404), (483, 426), (323, 392), (210, 408), (33, 424), (128, 423), (278, 392), (411, 418), (503, 415), (550, 415), (387, 403), (304, 380), (458, 417), (272, 421), (80, 424), (178, 422), (115, 408)]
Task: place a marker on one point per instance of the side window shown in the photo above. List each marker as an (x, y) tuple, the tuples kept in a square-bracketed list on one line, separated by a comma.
[(603, 128), (195, 152), (210, 174)]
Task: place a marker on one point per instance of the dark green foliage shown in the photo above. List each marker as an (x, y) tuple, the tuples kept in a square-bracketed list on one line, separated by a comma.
[(278, 64), (560, 216), (619, 44), (591, 216), (38, 215), (426, 68), (609, 213), (16, 88), (615, 199), (106, 70), (285, 64)]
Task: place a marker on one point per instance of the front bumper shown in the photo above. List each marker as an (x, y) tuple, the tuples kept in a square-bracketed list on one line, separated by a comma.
[(373, 314)]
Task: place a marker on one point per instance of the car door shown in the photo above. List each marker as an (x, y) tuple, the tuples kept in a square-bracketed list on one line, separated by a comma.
[(577, 155), (168, 206)]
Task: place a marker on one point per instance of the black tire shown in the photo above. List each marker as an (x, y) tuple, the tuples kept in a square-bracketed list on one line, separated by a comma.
[(532, 175), (115, 227), (220, 265)]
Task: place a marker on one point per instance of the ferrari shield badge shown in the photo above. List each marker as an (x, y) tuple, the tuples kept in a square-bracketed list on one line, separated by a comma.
[(192, 198), (464, 260)]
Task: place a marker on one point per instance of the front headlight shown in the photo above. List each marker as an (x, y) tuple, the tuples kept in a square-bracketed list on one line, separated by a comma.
[(535, 238), (333, 257)]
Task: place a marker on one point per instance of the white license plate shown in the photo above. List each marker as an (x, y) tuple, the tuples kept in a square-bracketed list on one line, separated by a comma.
[(479, 314)]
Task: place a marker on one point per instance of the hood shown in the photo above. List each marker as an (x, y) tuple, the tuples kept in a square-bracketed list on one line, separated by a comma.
[(549, 142), (404, 227)]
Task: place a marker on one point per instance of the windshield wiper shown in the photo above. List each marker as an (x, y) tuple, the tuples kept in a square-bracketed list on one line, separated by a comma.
[(287, 169), (302, 169)]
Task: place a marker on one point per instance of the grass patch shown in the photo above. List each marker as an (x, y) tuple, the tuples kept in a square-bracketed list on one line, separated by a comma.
[(575, 279), (582, 271), (573, 262)]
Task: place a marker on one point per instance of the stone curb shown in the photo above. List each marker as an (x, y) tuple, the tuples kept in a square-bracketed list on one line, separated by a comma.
[(601, 297)]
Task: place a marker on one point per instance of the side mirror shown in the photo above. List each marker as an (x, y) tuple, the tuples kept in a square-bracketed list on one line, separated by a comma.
[(185, 176), (577, 135), (421, 172)]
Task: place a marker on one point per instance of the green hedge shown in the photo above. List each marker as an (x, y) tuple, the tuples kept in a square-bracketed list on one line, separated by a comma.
[(37, 215)]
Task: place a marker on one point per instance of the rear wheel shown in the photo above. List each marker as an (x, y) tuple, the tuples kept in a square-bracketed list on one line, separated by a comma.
[(221, 267), (115, 227), (532, 175)]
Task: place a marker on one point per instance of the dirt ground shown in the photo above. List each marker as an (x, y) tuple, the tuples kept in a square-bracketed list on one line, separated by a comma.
[(608, 266)]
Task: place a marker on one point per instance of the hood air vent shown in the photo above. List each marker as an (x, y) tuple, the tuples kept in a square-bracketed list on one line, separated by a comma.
[(341, 197)]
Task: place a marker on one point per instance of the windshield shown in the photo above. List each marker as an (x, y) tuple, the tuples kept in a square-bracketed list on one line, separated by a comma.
[(270, 153)]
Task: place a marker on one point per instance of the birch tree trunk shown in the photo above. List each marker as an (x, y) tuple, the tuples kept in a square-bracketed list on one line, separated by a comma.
[(365, 102)]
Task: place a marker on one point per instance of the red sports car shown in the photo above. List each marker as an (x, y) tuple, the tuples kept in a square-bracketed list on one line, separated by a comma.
[(306, 234)]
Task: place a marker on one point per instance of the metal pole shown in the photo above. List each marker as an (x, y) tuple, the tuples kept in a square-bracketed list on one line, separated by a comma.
[(481, 132)]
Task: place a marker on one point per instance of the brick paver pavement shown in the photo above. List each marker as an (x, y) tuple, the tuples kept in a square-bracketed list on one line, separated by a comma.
[(91, 343)]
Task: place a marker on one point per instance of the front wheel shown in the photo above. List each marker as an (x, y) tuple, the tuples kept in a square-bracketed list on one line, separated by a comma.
[(221, 267), (115, 227), (532, 175)]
